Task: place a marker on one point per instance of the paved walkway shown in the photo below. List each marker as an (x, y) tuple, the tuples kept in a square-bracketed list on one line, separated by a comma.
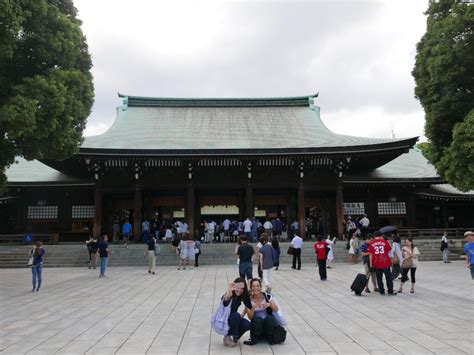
[(132, 312)]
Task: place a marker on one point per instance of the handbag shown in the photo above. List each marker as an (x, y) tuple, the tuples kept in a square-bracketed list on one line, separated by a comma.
[(31, 260), (407, 263), (220, 318), (395, 260), (157, 249), (290, 250)]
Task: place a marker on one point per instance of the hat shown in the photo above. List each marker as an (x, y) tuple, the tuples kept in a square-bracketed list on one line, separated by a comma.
[(468, 233)]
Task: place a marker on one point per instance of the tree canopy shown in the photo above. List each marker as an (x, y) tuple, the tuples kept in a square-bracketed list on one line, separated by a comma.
[(444, 76), (46, 89)]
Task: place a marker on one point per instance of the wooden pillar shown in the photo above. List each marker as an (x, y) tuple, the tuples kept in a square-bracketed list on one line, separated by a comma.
[(137, 213), (340, 209), (190, 210), (249, 201), (301, 211), (97, 211)]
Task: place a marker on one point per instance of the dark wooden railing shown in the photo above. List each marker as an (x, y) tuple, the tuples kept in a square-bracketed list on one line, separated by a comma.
[(20, 238), (432, 233)]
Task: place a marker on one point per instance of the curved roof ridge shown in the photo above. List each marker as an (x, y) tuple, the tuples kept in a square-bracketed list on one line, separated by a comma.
[(146, 101)]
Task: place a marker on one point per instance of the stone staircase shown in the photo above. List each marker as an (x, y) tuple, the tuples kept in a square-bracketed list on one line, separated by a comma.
[(75, 255)]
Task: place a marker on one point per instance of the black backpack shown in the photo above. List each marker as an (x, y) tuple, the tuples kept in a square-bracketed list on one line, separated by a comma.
[(279, 335)]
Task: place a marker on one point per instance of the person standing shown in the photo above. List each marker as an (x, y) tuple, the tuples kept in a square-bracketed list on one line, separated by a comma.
[(191, 245), (297, 244), (445, 247), (127, 232), (115, 231), (226, 226), (364, 226), (248, 228), (183, 254), (321, 248), (277, 228), (268, 226), (145, 231), (469, 250), (330, 244), (379, 258), (397, 256), (245, 253), (211, 227), (150, 252), (93, 249), (254, 230), (276, 252), (410, 262), (266, 262), (369, 271), (104, 253), (37, 268), (198, 250)]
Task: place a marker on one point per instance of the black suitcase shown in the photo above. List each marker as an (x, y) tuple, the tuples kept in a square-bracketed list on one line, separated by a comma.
[(359, 284)]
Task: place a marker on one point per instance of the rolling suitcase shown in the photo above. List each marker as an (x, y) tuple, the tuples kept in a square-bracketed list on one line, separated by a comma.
[(359, 284)]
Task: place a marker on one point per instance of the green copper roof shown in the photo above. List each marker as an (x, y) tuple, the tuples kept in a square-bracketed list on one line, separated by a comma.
[(411, 166), (158, 124), (35, 172)]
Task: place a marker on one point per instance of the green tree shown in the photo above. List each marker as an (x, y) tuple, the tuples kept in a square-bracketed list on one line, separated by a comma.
[(458, 160), (444, 76), (46, 89)]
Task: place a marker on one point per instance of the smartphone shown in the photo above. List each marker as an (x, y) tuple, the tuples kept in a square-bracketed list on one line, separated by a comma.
[(239, 285)]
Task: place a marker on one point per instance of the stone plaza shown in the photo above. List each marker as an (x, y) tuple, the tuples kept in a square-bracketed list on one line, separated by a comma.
[(133, 312)]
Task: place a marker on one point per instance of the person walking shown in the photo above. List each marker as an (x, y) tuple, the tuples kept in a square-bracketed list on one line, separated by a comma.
[(330, 244), (104, 253), (37, 253), (321, 248), (469, 250), (127, 232), (379, 258), (445, 247), (410, 262), (145, 231), (297, 244), (150, 252), (266, 262), (276, 251), (245, 253), (352, 248)]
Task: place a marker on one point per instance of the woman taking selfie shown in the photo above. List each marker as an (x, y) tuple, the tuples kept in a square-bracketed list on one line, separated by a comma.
[(37, 254), (236, 294), (263, 324), (410, 263)]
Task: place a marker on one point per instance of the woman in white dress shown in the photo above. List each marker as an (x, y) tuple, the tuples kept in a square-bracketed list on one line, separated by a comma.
[(183, 254), (191, 245), (330, 254)]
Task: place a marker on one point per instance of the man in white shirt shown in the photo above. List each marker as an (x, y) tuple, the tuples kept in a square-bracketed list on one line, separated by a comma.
[(445, 247), (248, 228), (364, 224), (296, 243), (226, 227), (211, 226), (268, 228)]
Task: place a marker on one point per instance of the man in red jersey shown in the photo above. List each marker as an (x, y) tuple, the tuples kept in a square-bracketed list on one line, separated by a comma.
[(379, 251), (321, 248)]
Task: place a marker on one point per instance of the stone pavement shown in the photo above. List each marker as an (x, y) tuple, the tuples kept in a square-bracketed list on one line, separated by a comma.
[(132, 312)]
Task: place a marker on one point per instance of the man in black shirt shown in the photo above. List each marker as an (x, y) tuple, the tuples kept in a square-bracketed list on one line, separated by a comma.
[(245, 253)]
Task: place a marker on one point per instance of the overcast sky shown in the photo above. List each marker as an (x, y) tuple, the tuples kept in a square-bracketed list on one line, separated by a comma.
[(357, 54)]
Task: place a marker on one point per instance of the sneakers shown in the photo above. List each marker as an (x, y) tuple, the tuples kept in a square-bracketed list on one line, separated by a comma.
[(367, 290)]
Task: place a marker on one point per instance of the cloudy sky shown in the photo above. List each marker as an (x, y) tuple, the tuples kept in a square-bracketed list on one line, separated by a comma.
[(357, 54)]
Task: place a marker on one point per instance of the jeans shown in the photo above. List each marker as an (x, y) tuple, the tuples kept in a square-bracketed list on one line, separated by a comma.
[(36, 271), (145, 236), (322, 269), (445, 255), (297, 256), (237, 325), (472, 271), (388, 279), (254, 236), (103, 266), (245, 270)]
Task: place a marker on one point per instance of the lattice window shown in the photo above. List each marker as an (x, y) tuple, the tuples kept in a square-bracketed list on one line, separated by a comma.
[(354, 208), (42, 212), (391, 208), (79, 212)]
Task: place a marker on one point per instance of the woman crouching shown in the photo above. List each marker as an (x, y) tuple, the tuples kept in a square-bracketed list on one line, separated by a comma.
[(260, 313), (236, 294)]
